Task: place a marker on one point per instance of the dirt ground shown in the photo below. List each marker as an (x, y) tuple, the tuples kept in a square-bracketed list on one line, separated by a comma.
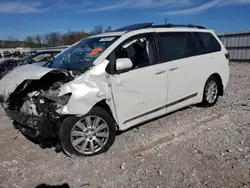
[(193, 147)]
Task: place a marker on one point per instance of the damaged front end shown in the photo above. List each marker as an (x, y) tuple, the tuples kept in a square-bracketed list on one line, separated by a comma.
[(35, 107), (41, 98)]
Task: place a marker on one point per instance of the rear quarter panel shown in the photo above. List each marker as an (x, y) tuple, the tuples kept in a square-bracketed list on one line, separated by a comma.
[(209, 64), (224, 63)]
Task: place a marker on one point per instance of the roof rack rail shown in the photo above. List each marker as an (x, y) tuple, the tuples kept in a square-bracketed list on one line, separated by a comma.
[(135, 27), (150, 25), (173, 25)]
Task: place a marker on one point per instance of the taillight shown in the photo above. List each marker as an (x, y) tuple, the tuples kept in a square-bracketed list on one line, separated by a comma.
[(227, 55)]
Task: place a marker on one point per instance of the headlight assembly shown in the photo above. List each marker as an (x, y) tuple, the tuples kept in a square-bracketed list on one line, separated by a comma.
[(63, 100)]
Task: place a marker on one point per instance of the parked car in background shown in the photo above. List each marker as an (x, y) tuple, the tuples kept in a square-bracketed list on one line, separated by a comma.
[(38, 57), (33, 51), (6, 65), (114, 81), (15, 54), (6, 54), (43, 56), (23, 54)]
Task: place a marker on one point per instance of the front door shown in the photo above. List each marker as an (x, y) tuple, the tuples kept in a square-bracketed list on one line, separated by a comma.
[(140, 93)]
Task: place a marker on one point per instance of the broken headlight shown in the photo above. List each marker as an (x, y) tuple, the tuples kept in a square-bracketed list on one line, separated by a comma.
[(50, 103), (63, 100)]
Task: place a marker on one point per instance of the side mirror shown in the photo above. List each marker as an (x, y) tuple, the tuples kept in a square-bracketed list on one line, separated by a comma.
[(123, 64)]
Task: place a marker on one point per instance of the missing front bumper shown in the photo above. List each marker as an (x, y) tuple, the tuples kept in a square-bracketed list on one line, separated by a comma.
[(37, 129), (30, 122)]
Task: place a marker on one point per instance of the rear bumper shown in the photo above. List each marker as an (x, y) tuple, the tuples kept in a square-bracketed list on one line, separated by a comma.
[(225, 75)]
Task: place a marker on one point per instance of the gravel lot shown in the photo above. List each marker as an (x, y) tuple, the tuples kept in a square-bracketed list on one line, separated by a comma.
[(193, 147)]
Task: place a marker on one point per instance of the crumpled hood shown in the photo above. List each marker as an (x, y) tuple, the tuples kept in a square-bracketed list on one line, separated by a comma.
[(13, 79)]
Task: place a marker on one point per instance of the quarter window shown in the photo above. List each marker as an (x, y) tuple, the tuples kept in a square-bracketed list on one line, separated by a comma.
[(176, 45), (207, 42)]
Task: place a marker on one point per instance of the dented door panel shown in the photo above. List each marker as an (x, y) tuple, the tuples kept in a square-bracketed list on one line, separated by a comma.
[(137, 92)]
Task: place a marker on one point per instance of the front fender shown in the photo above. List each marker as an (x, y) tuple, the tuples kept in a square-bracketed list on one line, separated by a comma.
[(86, 90), (84, 96)]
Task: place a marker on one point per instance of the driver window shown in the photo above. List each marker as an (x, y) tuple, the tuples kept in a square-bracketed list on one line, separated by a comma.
[(141, 51)]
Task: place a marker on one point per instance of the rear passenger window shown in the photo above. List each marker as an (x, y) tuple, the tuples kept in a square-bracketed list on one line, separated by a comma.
[(176, 45), (207, 42)]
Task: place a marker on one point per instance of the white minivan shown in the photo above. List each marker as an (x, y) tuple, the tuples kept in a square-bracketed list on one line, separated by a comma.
[(113, 81)]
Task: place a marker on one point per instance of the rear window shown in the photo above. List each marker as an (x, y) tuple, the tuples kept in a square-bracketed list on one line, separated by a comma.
[(207, 42), (176, 45)]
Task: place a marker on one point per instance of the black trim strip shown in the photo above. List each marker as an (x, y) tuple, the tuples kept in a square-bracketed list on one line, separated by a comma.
[(162, 107), (182, 100)]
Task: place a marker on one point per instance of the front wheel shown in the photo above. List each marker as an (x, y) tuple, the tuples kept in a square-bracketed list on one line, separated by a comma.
[(91, 134), (211, 92)]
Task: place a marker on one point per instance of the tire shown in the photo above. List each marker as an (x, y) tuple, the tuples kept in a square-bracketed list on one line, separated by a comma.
[(208, 91), (79, 139)]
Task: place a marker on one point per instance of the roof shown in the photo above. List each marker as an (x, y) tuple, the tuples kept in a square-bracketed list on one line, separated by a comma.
[(140, 26)]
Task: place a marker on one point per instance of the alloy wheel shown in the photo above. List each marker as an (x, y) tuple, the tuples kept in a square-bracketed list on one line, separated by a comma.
[(211, 91), (89, 135)]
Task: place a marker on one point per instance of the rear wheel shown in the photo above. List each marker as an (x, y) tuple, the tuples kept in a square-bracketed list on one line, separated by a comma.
[(88, 135), (211, 92)]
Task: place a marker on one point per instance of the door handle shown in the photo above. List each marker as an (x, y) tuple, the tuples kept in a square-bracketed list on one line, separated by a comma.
[(159, 73), (173, 69)]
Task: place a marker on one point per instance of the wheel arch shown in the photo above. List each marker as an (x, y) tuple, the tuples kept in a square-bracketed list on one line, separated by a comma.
[(103, 104), (219, 79)]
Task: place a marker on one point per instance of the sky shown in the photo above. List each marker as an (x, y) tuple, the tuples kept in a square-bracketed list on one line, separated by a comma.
[(19, 18)]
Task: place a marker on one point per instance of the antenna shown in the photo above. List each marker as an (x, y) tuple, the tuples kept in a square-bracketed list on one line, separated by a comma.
[(166, 21)]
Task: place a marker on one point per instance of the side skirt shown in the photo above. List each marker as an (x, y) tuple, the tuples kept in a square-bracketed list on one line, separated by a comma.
[(162, 107)]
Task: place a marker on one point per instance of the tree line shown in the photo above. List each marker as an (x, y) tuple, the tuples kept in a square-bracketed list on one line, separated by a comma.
[(52, 39)]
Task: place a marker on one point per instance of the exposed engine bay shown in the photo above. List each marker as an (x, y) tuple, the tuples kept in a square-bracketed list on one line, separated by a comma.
[(35, 107)]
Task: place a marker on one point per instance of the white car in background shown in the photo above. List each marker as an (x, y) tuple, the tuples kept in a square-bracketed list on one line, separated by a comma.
[(114, 81)]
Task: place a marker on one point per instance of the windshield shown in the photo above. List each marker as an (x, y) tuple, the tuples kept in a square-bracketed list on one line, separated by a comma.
[(81, 54)]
